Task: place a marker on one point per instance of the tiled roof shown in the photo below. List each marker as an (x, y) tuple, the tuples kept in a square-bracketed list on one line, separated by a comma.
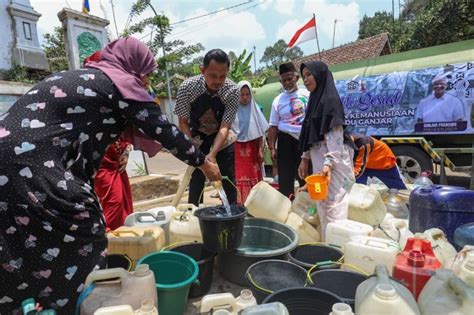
[(366, 48)]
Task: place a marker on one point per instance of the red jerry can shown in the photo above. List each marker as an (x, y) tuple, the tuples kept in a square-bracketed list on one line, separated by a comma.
[(415, 265)]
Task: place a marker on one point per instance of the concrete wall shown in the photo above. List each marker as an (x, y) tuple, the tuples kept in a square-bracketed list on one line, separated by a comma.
[(7, 36), (10, 92)]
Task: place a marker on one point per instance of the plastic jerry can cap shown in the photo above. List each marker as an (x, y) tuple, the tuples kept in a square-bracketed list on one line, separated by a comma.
[(416, 258), (160, 216), (385, 291), (142, 270)]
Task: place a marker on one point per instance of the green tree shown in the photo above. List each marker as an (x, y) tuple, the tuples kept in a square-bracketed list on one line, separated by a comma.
[(423, 23), (177, 51), (55, 50), (441, 22), (279, 53), (240, 68)]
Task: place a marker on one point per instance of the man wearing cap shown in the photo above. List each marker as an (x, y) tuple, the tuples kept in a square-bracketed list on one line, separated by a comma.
[(286, 119), (440, 106)]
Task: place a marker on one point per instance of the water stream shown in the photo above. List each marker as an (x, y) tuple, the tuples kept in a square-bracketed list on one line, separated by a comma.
[(225, 202)]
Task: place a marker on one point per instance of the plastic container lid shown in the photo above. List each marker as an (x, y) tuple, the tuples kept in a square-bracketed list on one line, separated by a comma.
[(341, 309), (142, 270), (385, 291)]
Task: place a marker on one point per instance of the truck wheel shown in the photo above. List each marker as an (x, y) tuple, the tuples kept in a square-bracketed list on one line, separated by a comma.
[(412, 161)]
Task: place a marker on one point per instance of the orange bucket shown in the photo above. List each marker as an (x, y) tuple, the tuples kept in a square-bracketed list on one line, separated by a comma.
[(317, 186)]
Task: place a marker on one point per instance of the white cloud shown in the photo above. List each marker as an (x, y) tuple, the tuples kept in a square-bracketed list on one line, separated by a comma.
[(285, 6), (223, 30), (266, 5), (287, 30), (348, 14)]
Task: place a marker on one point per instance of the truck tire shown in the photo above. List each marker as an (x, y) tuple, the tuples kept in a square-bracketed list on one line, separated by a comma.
[(412, 161)]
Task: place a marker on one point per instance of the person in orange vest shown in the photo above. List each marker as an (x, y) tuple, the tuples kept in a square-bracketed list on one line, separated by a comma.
[(374, 158)]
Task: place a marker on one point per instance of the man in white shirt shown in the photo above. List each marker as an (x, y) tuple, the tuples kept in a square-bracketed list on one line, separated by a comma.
[(440, 106), (286, 119)]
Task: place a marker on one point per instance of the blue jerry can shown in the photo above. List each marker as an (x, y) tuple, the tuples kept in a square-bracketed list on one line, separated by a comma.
[(443, 207)]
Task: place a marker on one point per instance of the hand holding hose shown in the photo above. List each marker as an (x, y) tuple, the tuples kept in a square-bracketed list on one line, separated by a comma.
[(211, 170)]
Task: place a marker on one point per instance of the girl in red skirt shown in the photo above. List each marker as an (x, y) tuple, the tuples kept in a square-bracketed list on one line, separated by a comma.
[(250, 126)]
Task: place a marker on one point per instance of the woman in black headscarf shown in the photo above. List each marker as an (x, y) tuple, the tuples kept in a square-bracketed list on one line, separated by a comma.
[(324, 141)]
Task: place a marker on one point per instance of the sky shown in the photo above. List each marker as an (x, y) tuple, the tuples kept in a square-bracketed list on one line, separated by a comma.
[(250, 23)]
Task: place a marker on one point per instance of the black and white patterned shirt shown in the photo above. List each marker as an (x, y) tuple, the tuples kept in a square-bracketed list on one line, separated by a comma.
[(206, 111)]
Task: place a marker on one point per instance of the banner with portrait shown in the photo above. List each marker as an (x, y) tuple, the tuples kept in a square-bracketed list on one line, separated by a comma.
[(410, 102)]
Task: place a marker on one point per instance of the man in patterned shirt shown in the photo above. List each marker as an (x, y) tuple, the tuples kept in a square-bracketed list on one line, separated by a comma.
[(206, 106)]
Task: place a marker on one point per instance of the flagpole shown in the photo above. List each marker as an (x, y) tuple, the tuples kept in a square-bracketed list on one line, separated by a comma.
[(316, 33)]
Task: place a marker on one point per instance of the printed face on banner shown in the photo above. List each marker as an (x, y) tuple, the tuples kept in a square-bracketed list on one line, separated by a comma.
[(410, 103)]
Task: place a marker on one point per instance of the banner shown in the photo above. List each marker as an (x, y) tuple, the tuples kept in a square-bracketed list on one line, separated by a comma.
[(408, 103)]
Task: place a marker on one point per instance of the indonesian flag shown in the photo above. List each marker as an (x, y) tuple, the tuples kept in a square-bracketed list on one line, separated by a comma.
[(307, 32)]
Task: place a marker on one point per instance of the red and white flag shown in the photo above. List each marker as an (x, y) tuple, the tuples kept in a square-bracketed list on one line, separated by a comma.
[(307, 32)]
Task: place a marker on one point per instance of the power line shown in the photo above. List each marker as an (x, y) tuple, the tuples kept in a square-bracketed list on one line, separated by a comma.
[(204, 25), (208, 14), (211, 13)]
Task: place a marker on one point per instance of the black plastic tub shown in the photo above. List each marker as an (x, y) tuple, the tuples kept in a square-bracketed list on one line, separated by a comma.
[(308, 255), (340, 282), (305, 301), (221, 232), (119, 261), (205, 261), (268, 276), (262, 239)]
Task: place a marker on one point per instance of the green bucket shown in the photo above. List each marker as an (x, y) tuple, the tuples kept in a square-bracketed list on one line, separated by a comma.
[(175, 273)]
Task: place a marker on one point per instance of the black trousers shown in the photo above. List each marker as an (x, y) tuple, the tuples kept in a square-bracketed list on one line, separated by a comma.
[(288, 160), (225, 160)]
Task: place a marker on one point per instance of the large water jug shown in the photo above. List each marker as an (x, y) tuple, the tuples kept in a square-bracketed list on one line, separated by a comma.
[(395, 205), (136, 241), (464, 235), (366, 252), (445, 294), (340, 232), (275, 308), (366, 205), (415, 265), (393, 229), (381, 295), (184, 226), (131, 288), (306, 231), (423, 180), (115, 310), (147, 308), (227, 301), (463, 265), (443, 207), (305, 207), (444, 251), (266, 202), (341, 309), (160, 216)]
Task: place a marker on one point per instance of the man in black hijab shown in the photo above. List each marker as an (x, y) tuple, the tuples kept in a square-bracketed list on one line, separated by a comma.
[(286, 119)]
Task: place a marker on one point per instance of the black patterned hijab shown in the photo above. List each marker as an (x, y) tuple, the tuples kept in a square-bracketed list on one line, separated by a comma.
[(324, 111)]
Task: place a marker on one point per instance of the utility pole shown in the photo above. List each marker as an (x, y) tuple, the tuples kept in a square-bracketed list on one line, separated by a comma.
[(254, 59), (334, 31)]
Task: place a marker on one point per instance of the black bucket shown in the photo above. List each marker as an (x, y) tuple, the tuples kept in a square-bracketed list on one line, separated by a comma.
[(268, 276), (221, 232), (205, 261), (308, 255), (340, 282), (305, 301), (119, 261)]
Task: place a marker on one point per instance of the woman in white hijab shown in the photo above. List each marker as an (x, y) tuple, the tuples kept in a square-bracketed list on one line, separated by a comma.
[(250, 126)]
